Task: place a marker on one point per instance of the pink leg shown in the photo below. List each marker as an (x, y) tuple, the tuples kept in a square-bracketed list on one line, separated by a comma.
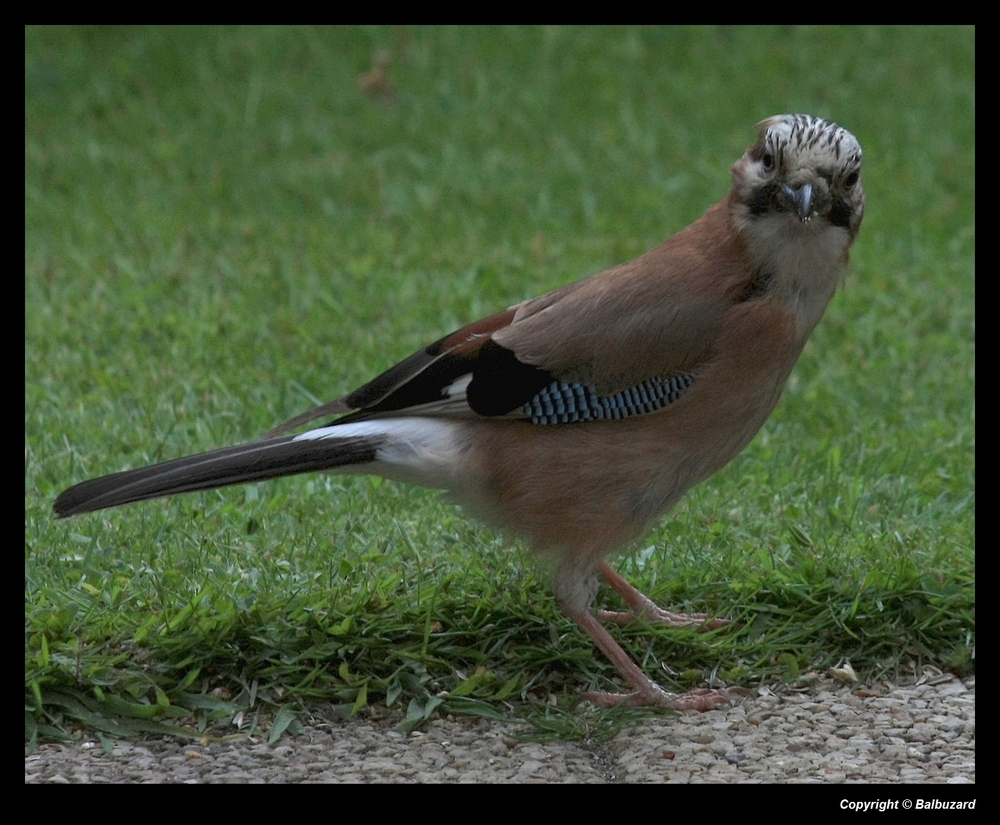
[(644, 609), (647, 692)]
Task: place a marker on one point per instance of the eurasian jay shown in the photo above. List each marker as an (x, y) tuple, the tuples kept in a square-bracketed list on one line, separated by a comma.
[(576, 419)]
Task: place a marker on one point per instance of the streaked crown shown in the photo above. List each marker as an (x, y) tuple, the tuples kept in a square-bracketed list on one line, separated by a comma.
[(806, 166)]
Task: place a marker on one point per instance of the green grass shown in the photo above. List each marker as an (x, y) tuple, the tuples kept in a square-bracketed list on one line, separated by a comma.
[(221, 229)]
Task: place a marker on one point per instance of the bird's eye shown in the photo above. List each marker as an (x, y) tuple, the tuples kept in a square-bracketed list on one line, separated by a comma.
[(850, 180), (768, 161)]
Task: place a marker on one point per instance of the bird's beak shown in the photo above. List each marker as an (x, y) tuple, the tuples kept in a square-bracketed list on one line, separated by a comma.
[(802, 198)]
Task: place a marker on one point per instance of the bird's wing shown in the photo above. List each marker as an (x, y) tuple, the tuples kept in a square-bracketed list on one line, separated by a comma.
[(629, 339)]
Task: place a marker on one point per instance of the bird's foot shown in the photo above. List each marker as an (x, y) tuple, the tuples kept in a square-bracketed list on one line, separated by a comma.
[(652, 613), (695, 700), (644, 609)]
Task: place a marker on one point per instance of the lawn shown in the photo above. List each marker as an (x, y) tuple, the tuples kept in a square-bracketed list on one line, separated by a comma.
[(224, 227)]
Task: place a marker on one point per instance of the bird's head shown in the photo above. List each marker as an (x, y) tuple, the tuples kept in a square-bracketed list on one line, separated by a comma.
[(802, 169)]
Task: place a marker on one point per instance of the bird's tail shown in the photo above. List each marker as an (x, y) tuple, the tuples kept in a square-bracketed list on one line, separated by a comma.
[(270, 458), (422, 450)]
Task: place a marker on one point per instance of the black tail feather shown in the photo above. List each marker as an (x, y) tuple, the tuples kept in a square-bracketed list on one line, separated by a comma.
[(271, 458)]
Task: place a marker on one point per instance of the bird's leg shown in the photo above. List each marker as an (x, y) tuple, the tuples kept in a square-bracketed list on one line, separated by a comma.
[(644, 609), (647, 692), (574, 590)]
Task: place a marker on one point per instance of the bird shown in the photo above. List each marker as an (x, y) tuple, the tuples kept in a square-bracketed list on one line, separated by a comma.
[(577, 419)]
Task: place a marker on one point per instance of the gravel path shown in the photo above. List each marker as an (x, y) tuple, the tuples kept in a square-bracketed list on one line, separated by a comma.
[(920, 733)]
